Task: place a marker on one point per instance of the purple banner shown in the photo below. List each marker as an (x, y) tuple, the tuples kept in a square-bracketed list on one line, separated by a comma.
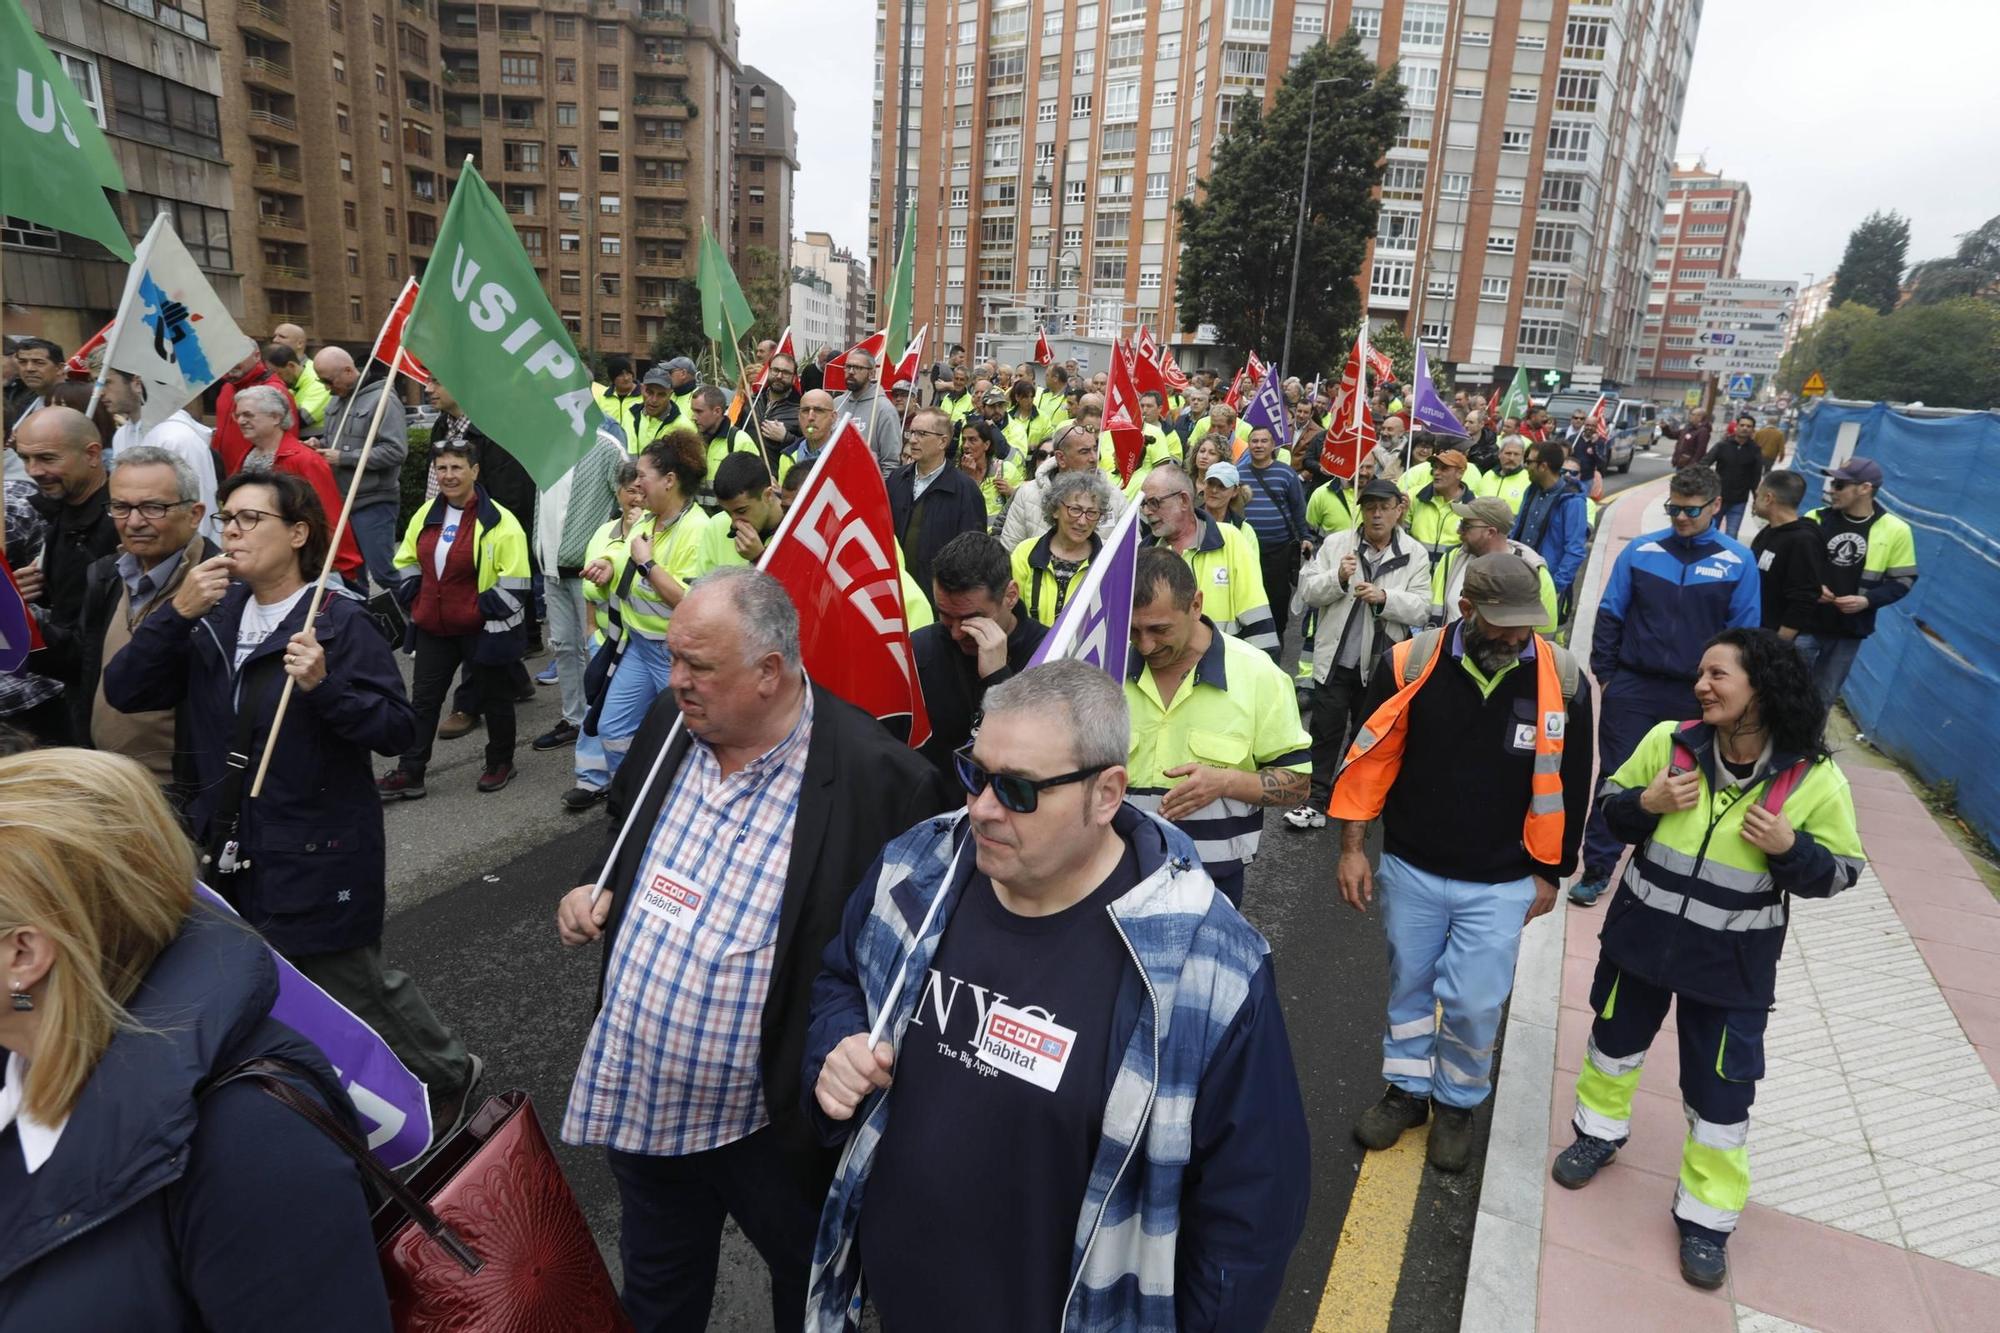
[(1266, 408), (390, 1101), (1427, 410), (1096, 625)]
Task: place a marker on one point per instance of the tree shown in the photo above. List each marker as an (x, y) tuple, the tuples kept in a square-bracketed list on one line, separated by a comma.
[(681, 332), (1823, 347), (1237, 237), (1944, 355), (764, 284), (1973, 271), (1871, 271)]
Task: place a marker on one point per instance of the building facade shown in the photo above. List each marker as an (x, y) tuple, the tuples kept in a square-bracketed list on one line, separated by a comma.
[(854, 308), (1050, 141), (155, 85), (818, 318), (1701, 237), (1814, 298), (765, 164)]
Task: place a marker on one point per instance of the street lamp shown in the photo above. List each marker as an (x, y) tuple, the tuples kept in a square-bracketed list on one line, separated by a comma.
[(1299, 230)]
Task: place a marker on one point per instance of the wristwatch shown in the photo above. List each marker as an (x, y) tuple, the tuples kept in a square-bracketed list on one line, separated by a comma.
[(645, 568)]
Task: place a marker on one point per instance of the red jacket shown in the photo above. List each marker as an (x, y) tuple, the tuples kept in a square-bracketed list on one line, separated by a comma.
[(229, 441), (302, 460)]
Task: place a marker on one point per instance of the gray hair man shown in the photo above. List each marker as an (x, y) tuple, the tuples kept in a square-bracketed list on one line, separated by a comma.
[(156, 503), (1059, 902), (349, 415), (771, 800), (874, 416)]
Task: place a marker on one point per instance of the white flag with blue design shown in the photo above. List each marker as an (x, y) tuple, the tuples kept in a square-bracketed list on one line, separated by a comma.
[(1095, 624), (172, 331)]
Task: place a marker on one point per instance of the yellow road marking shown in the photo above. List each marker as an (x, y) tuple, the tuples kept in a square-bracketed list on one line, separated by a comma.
[(1368, 1262)]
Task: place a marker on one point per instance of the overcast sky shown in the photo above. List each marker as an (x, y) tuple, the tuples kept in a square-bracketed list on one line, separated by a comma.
[(1827, 108)]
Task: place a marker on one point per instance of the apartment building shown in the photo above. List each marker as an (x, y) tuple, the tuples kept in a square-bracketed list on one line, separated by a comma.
[(817, 317), (765, 163), (1050, 141), (1700, 237), (854, 301), (153, 79)]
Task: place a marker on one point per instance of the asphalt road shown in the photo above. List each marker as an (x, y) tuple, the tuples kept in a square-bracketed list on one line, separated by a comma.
[(475, 879)]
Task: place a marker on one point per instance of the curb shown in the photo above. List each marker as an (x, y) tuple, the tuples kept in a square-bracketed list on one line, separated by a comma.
[(1503, 1279)]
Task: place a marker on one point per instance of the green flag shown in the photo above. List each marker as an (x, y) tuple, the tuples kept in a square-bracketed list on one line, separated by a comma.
[(901, 290), (1515, 404), (54, 163), (725, 315), (486, 331)]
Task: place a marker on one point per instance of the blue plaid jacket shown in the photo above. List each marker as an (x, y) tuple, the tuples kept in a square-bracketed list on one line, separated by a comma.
[(1198, 1190)]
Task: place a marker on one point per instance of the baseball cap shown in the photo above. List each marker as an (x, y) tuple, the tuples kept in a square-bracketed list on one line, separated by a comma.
[(1504, 590), (1488, 509), (681, 363), (1858, 468), (900, 386), (994, 398), (1450, 458), (1379, 489), (658, 375), (1225, 473)]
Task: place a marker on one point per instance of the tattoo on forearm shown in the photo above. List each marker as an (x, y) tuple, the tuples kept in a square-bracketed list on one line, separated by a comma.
[(1278, 786)]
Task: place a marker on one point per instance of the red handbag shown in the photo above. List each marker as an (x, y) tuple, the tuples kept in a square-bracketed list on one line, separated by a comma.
[(486, 1236)]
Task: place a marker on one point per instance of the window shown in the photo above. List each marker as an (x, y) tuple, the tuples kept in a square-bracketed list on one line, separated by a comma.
[(961, 196), (1248, 64), (1045, 112), (353, 263), (1405, 180), (1434, 333), (1249, 18), (565, 27), (1002, 110), (1553, 243), (955, 239), (1163, 94), (568, 158), (533, 240), (1396, 229), (1515, 141), (1390, 279), (610, 205), (346, 167), (521, 69), (146, 106), (1118, 141), (1415, 131), (82, 71), (610, 245), (1709, 206), (569, 202), (607, 78), (377, 28), (1508, 192), (569, 243), (611, 325), (1086, 18), (1366, 21), (1004, 67), (1112, 227), (1424, 24), (1453, 184), (341, 120), (1537, 337), (1500, 242), (1524, 88), (1086, 62), (1302, 21), (565, 69), (607, 118), (204, 231), (1107, 271), (348, 215), (1079, 106), (1422, 82), (1562, 194), (388, 174), (1442, 286), (1124, 50), (1569, 141), (1156, 185), (1707, 228), (996, 233), (566, 114), (1121, 101), (1532, 35), (389, 222), (1494, 289), (1075, 191), (1586, 38), (1009, 25), (381, 79), (1003, 148), (1052, 23), (339, 70), (1576, 90), (382, 128), (1702, 252), (996, 275), (354, 303), (333, 19)]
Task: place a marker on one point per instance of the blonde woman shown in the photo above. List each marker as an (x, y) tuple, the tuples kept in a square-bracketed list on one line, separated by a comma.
[(128, 1200)]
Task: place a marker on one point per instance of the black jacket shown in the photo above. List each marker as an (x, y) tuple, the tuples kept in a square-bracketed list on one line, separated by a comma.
[(165, 1212), (1740, 464), (952, 685), (950, 505), (862, 787), (77, 536), (101, 591), (784, 410), (314, 838), (1791, 562)]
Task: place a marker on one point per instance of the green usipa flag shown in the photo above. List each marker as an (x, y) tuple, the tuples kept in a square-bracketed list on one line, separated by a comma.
[(725, 315), (1515, 404), (484, 328), (54, 163), (901, 290)]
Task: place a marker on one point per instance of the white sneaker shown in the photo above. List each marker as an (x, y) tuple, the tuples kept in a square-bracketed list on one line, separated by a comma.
[(1306, 816)]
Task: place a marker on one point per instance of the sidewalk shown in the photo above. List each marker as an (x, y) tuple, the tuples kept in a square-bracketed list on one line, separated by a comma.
[(1874, 1141)]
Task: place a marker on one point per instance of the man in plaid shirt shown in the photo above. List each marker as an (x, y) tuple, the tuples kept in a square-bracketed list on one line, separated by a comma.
[(774, 800)]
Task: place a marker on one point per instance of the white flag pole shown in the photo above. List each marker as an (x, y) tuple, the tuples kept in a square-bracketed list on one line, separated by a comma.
[(881, 1023)]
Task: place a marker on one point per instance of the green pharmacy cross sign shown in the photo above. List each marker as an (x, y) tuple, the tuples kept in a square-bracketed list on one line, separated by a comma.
[(1552, 378)]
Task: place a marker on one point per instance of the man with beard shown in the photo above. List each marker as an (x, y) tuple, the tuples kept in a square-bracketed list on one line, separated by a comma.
[(1485, 705), (1510, 480)]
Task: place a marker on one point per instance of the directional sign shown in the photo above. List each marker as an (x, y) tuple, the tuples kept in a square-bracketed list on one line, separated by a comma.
[(1742, 340), (1724, 362), (1814, 386), (1749, 321), (1742, 386), (1750, 289)]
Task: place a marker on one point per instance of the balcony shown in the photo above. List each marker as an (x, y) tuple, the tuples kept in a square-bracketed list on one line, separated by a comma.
[(458, 35), (655, 225), (465, 72), (517, 122), (283, 224), (672, 105), (653, 303), (290, 276), (260, 72), (265, 123), (660, 20), (664, 66), (654, 187), (270, 175), (268, 19), (519, 35)]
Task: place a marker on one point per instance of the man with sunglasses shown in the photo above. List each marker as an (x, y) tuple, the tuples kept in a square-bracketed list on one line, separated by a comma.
[(1040, 1102), (1871, 561), (880, 426), (1668, 593)]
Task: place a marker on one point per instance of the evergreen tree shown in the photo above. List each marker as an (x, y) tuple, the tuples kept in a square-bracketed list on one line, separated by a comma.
[(1237, 237), (681, 332), (1871, 271)]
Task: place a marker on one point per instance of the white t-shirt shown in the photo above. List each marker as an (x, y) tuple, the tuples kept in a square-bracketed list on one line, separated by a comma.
[(259, 620), (453, 520)]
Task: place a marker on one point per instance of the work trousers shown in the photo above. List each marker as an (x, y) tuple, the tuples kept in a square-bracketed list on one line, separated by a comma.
[(439, 656), (671, 1211), (1332, 715), (1722, 1057), (1452, 944), (389, 1001), (641, 677), (1631, 706), (569, 644), (1280, 561)]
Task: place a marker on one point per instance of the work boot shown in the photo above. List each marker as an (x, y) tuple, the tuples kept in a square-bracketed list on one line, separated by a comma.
[(1450, 1146), (455, 725), (1383, 1123), (1584, 893), (1578, 1164), (400, 785), (495, 777), (1703, 1263)]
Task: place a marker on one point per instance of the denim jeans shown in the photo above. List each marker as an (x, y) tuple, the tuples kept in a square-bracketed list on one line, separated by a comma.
[(1829, 658), (375, 533), (641, 678), (569, 643), (1732, 518)]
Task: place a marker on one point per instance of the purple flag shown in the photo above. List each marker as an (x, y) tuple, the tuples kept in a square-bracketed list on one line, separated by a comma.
[(1427, 410), (1266, 408), (1095, 625), (390, 1101)]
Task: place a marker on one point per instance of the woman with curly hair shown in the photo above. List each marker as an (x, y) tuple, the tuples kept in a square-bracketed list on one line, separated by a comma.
[(980, 450), (1048, 567), (1731, 816)]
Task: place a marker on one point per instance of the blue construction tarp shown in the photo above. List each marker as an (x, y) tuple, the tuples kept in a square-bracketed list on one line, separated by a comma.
[(1924, 686)]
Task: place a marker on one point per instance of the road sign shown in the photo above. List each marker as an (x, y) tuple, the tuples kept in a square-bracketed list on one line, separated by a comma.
[(1783, 290), (1692, 397), (1736, 317), (1741, 339), (1742, 386), (1814, 386), (1722, 363)]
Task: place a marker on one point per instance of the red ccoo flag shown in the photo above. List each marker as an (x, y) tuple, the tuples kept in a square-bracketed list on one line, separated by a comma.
[(389, 342), (784, 349), (1596, 418), (1045, 355), (78, 365), (905, 371), (1170, 370), (1255, 369), (835, 553), (1235, 395), (1379, 364), (1146, 365), (875, 344), (1121, 412), (1352, 434)]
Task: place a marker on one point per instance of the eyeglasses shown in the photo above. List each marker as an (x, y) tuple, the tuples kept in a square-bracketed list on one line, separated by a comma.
[(1078, 511), (150, 510), (1152, 502), (1016, 793), (933, 434), (1685, 511), (861, 369), (246, 519)]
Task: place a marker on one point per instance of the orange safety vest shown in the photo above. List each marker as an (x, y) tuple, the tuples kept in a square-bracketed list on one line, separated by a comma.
[(1376, 756)]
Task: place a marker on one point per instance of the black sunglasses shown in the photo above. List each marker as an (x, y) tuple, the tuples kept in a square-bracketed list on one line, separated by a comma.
[(1016, 793)]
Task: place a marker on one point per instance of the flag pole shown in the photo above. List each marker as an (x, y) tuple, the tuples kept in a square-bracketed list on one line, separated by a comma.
[(325, 573), (749, 398)]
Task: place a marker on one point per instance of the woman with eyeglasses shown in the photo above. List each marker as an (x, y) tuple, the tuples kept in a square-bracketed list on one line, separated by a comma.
[(265, 417), (1573, 472), (1048, 567), (304, 860)]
